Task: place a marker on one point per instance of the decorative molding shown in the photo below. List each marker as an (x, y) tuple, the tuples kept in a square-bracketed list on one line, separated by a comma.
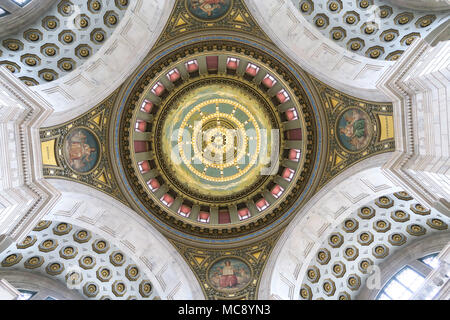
[(418, 85), (132, 234), (25, 196), (313, 223), (278, 18), (203, 262), (132, 39)]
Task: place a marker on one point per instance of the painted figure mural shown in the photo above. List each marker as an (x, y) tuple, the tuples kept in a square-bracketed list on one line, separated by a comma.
[(81, 150)]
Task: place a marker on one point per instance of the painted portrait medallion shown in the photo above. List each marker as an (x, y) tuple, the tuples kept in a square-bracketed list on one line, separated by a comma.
[(208, 9), (229, 274), (81, 150), (354, 129)]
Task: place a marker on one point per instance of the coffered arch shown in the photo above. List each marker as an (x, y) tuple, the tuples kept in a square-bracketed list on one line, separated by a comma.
[(97, 77), (314, 48)]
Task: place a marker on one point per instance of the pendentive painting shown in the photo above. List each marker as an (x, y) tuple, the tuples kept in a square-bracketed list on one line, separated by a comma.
[(208, 9), (230, 274), (354, 129), (81, 150)]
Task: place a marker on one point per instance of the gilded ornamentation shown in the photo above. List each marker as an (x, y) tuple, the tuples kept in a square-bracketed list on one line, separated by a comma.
[(119, 288), (145, 288), (437, 224), (42, 225), (68, 24), (80, 150), (104, 274), (350, 225), (354, 282), (329, 287), (82, 236), (91, 289), (400, 216), (416, 230), (158, 196), (382, 225), (338, 269), (100, 246), (54, 268), (117, 258), (27, 242), (344, 296), (419, 209), (132, 272), (364, 264), (378, 245), (87, 262), (225, 15), (11, 260), (77, 274), (323, 256), (382, 26), (335, 240), (397, 239), (365, 238), (68, 252), (305, 292), (384, 202), (229, 273)]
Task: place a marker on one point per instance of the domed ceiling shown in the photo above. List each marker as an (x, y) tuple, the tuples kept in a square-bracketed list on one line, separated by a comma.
[(376, 29), (218, 140)]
